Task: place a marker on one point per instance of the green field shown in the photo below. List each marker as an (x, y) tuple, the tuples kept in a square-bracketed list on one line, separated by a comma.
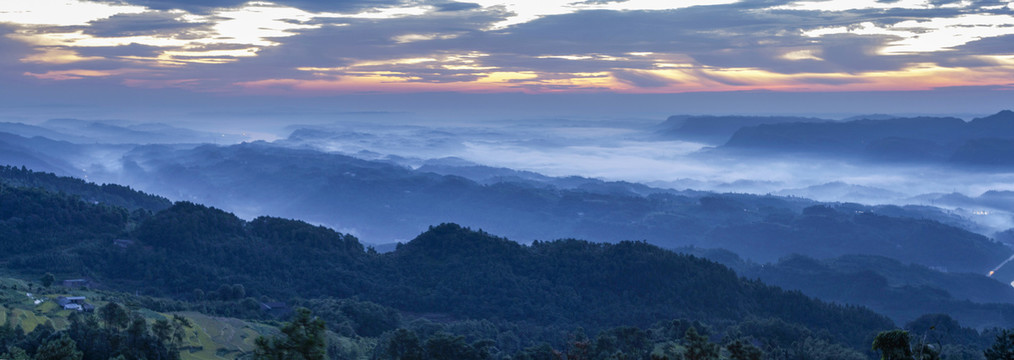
[(209, 338), (220, 338)]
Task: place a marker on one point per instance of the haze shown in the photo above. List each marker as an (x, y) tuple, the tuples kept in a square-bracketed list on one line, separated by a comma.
[(561, 88)]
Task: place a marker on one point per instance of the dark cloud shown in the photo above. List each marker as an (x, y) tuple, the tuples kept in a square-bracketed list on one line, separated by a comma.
[(542, 88), (967, 62), (341, 5), (724, 80), (993, 45), (436, 77), (831, 81), (457, 6), (194, 6), (149, 23), (13, 51), (734, 35), (856, 53), (117, 51), (207, 6), (365, 39), (746, 34), (642, 79), (942, 2), (558, 65)]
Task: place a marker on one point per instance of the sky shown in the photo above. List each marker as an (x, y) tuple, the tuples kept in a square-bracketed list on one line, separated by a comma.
[(123, 58)]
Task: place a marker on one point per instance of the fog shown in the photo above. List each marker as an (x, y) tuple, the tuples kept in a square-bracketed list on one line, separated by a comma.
[(619, 149), (629, 150)]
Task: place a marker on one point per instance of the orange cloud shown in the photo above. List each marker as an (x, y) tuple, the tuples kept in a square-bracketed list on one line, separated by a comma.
[(71, 74), (919, 77)]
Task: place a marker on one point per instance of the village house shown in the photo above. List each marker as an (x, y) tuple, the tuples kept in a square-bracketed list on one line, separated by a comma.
[(74, 303), (75, 283)]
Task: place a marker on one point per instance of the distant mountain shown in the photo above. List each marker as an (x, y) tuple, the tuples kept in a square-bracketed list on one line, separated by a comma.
[(718, 129), (122, 132), (840, 191), (487, 175), (990, 207), (31, 131), (383, 202), (826, 232), (978, 143), (901, 291), (58, 156), (985, 152), (870, 117)]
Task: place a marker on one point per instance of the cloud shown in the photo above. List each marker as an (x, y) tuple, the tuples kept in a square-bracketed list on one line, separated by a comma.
[(457, 6), (148, 23), (642, 79), (990, 45), (775, 44), (209, 6)]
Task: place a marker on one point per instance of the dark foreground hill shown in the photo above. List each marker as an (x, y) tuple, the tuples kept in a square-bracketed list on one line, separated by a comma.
[(463, 274), (189, 241), (467, 279)]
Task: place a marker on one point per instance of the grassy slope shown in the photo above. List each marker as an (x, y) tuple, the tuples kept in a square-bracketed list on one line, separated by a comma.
[(209, 337)]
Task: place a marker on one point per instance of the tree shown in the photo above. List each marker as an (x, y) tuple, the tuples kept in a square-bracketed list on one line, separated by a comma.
[(445, 346), (304, 339), (114, 316), (47, 280), (16, 353), (162, 330), (404, 344), (1002, 348), (698, 346), (180, 325), (925, 352), (893, 345), (61, 348), (742, 350)]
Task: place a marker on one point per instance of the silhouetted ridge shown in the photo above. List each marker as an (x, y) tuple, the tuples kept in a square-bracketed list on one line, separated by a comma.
[(717, 129), (467, 273), (189, 226), (1001, 120), (448, 240), (111, 194), (983, 142)]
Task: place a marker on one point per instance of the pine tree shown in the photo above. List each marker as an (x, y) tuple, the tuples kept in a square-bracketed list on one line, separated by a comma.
[(303, 339), (61, 348), (698, 346), (1002, 348)]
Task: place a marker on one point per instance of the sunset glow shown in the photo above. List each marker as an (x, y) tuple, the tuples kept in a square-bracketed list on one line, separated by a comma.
[(635, 46)]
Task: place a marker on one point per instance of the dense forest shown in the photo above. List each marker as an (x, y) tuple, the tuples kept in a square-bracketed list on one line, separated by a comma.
[(451, 290)]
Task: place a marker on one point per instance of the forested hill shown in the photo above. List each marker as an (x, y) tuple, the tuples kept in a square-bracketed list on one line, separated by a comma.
[(111, 194), (635, 283), (190, 250)]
